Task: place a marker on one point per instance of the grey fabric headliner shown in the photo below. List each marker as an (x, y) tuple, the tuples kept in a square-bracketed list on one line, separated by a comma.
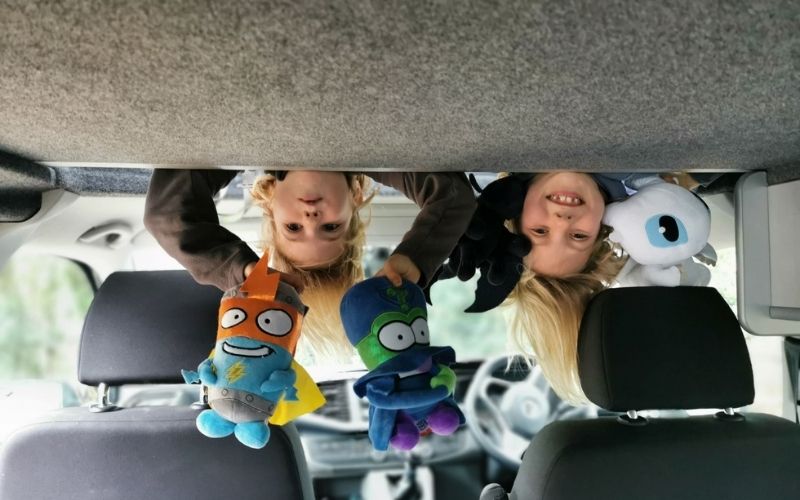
[(355, 84)]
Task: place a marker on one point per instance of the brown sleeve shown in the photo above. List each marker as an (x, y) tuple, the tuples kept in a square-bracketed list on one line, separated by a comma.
[(181, 215), (446, 204)]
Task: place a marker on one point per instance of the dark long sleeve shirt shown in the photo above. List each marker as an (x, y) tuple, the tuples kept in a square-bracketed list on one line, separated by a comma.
[(181, 214)]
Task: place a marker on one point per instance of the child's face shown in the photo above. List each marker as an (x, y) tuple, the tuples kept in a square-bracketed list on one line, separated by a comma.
[(561, 216), (312, 212)]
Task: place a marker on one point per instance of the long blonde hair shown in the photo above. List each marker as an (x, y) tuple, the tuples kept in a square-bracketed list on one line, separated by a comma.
[(547, 311), (323, 286)]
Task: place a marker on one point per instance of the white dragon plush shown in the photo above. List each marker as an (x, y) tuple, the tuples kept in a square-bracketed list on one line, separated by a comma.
[(663, 228)]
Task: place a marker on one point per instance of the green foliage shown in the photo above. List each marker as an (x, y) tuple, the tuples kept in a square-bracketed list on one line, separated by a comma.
[(472, 335), (43, 301), (723, 275)]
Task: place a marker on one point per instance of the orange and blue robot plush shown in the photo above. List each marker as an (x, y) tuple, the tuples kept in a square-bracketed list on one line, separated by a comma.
[(251, 376), (410, 384)]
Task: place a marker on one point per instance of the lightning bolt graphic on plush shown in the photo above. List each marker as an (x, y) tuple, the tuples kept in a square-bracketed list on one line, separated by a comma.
[(235, 372)]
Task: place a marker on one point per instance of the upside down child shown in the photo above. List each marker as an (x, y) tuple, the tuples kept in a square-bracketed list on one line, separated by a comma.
[(312, 229)]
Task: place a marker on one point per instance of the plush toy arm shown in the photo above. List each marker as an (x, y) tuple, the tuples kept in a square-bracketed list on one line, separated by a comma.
[(635, 274), (378, 396), (281, 380), (206, 372), (640, 181), (658, 276), (694, 274), (707, 255), (445, 378), (190, 376)]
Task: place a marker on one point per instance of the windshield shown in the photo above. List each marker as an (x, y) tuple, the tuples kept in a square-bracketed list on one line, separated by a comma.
[(45, 298)]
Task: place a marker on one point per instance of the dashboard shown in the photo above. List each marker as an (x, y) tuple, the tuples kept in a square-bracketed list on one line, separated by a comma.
[(335, 436)]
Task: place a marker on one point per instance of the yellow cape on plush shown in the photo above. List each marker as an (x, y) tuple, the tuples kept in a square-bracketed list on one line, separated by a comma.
[(309, 398)]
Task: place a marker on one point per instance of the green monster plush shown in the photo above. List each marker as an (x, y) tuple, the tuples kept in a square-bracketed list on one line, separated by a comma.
[(410, 384)]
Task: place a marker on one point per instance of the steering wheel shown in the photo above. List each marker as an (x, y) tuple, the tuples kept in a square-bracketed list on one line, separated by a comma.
[(507, 403)]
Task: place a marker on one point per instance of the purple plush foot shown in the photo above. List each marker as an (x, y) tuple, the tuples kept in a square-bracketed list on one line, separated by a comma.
[(406, 434), (444, 420)]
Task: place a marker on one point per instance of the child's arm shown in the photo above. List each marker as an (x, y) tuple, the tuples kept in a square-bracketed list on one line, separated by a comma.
[(180, 213), (446, 204)]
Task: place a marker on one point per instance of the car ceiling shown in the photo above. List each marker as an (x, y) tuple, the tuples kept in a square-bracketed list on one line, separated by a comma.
[(484, 86)]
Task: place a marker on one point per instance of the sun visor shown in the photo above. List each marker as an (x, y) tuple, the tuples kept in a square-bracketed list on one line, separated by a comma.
[(767, 261), (22, 182)]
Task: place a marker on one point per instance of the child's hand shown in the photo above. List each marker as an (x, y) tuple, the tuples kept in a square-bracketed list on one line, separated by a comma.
[(291, 279), (445, 377), (398, 267)]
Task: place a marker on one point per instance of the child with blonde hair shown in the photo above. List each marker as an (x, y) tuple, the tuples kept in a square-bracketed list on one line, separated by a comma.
[(541, 246), (539, 242), (312, 229), (571, 259)]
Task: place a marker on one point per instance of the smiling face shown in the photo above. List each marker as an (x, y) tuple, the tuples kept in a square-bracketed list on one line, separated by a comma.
[(312, 213), (561, 216)]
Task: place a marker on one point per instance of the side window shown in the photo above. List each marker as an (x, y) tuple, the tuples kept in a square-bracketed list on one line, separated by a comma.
[(765, 352), (43, 301)]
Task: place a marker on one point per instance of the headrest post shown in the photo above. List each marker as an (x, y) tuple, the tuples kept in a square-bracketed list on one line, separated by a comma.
[(202, 403), (103, 405), (632, 417), (730, 415)]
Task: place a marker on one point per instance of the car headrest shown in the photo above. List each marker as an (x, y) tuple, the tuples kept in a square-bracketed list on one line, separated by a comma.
[(648, 348), (145, 326)]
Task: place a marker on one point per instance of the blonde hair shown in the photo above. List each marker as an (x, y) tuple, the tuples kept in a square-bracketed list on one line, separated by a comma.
[(323, 286), (546, 313)]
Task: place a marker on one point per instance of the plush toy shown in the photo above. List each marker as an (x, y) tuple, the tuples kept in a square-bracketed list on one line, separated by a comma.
[(251, 374), (410, 384), (661, 228), (487, 244)]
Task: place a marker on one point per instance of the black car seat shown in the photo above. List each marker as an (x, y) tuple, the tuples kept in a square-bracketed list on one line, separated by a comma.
[(662, 348), (143, 327)]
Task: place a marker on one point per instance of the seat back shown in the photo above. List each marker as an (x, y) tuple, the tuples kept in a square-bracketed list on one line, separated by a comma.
[(663, 348), (143, 327)]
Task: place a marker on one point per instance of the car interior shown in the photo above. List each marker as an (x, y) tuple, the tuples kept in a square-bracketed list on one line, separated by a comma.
[(693, 390)]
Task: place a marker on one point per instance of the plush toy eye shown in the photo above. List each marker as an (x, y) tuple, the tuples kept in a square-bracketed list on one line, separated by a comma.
[(275, 322), (420, 328), (664, 231), (396, 336), (232, 317)]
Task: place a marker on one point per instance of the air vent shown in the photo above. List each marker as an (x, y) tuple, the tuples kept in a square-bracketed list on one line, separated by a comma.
[(337, 406)]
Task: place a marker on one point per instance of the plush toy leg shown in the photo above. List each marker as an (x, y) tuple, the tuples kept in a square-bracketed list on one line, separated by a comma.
[(444, 420), (252, 434), (406, 434), (212, 425)]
